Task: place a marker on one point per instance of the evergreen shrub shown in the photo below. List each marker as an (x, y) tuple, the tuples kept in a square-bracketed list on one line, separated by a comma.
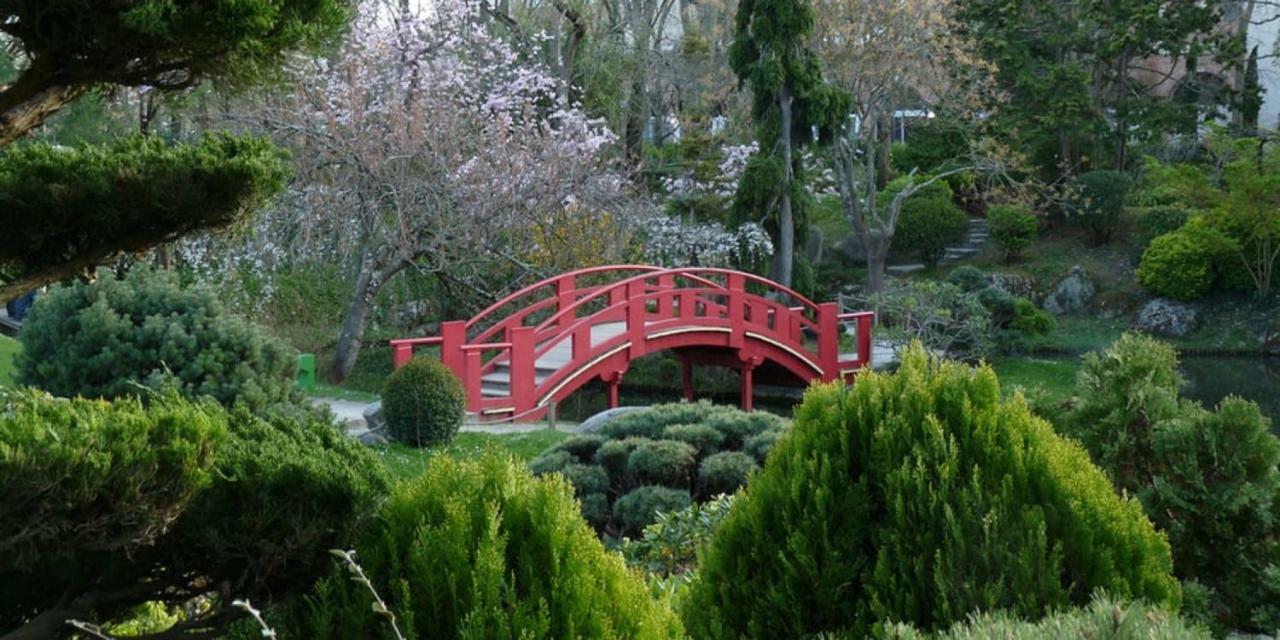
[(920, 497), (664, 446), (1180, 265), (424, 403), (1209, 479), (483, 549), (113, 336), (1013, 228), (1100, 200), (927, 226)]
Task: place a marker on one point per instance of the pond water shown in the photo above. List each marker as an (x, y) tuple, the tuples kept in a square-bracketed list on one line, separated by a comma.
[(1210, 379)]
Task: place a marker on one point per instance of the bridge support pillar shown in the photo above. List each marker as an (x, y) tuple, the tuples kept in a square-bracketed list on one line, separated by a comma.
[(748, 387), (686, 377), (612, 381)]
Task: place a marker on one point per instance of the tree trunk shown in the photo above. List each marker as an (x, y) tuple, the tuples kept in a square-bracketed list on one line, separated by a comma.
[(37, 94), (877, 250), (351, 338), (784, 255)]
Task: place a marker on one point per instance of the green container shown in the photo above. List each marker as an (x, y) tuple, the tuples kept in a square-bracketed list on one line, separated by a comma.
[(307, 371)]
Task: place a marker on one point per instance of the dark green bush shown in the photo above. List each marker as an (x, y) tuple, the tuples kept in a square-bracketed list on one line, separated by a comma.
[(705, 438), (1030, 319), (595, 510), (484, 550), (284, 487), (920, 497), (662, 445), (927, 226), (1100, 202), (724, 472), (582, 447), (1103, 618), (969, 279), (665, 462), (669, 546), (423, 403), (586, 479), (1157, 221), (111, 337), (758, 446), (638, 508), (1013, 228), (1211, 480)]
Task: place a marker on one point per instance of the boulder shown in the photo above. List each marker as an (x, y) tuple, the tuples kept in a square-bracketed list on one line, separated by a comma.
[(1072, 293), (370, 438), (373, 419), (597, 422), (1167, 318)]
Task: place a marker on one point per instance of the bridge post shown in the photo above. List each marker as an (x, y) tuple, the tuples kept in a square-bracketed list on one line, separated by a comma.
[(686, 377), (666, 299), (523, 370), (471, 380), (613, 380), (864, 339), (748, 387), (453, 335), (636, 317), (566, 290), (829, 340), (737, 313)]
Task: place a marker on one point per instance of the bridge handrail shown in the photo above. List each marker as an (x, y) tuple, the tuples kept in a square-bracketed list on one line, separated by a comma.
[(510, 298)]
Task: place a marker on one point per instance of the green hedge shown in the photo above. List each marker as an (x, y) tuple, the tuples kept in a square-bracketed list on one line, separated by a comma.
[(114, 336), (920, 497), (483, 549), (665, 446)]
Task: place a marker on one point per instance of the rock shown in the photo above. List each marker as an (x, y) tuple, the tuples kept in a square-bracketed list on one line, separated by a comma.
[(597, 422), (853, 249), (1014, 284), (1072, 293), (1167, 318), (370, 438), (373, 419)]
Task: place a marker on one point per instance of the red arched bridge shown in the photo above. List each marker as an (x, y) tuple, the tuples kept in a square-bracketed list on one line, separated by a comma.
[(542, 343)]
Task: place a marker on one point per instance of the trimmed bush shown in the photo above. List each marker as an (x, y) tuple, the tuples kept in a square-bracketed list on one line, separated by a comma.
[(1013, 228), (595, 509), (969, 279), (640, 507), (1030, 319), (1177, 265), (1103, 618), (665, 462), (705, 438), (284, 487), (1100, 202), (927, 226), (758, 446), (614, 454), (920, 497), (551, 461), (1157, 221), (586, 479), (581, 447), (114, 336), (725, 472), (1211, 480), (483, 549), (423, 403)]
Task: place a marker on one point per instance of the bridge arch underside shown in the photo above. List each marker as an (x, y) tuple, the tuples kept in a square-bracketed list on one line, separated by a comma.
[(756, 358)]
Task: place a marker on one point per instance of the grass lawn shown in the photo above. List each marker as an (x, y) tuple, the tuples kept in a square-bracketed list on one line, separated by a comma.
[(407, 462), (8, 349), (1054, 379)]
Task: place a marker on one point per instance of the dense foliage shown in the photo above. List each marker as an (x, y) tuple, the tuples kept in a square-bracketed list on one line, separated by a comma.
[(485, 550), (1103, 618), (1211, 480), (920, 497), (246, 507), (660, 459), (1184, 264), (1013, 229), (423, 403), (1099, 203), (928, 226), (116, 335)]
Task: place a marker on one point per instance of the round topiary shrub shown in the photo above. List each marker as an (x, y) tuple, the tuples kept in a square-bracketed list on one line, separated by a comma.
[(1030, 319), (705, 438), (423, 403), (970, 279), (1157, 221), (110, 337), (758, 446), (483, 549), (665, 462), (1013, 228), (595, 509), (663, 445), (927, 226), (637, 509), (1177, 265), (586, 479), (920, 497), (724, 473)]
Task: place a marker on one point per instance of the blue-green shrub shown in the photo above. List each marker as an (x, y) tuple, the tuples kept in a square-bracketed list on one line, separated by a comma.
[(423, 403), (640, 507), (725, 472)]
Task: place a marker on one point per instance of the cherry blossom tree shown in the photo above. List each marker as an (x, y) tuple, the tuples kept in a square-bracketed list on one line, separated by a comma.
[(427, 143)]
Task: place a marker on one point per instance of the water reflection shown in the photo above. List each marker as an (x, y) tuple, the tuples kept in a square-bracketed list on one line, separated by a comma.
[(1209, 380)]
